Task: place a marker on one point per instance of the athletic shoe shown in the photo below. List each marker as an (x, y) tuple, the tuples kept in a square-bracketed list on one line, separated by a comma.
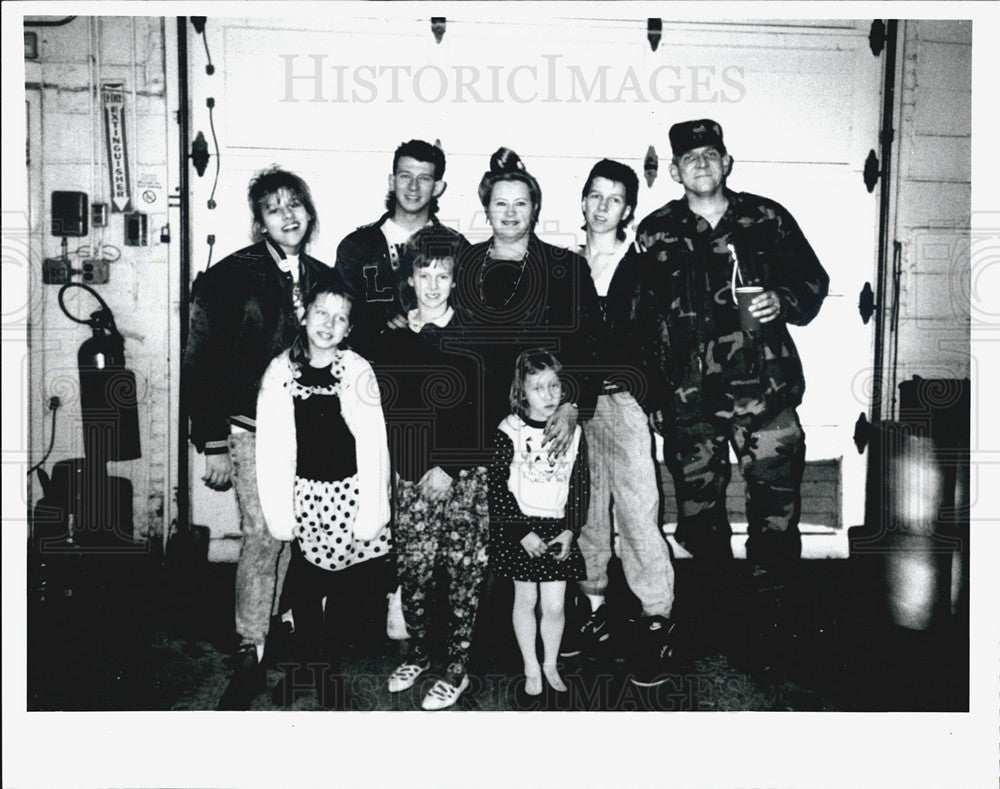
[(247, 682), (654, 648), (405, 676), (593, 635), (444, 694), (395, 623), (596, 631)]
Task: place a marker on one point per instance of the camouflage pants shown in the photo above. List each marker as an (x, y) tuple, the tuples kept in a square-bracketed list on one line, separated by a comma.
[(450, 533), (771, 458)]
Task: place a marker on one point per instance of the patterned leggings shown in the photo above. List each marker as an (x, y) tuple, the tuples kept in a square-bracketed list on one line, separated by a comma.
[(451, 533)]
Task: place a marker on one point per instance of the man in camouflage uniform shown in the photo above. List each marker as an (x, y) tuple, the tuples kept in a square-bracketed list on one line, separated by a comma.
[(712, 384)]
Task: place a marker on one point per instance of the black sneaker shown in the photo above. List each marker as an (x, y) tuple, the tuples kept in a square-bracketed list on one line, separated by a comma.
[(595, 633), (653, 650), (247, 682)]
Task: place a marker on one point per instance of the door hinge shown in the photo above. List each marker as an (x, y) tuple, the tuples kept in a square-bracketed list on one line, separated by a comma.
[(866, 303), (871, 171), (877, 37), (199, 154), (862, 432)]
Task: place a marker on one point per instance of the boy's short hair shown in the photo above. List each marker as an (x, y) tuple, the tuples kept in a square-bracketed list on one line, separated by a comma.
[(535, 360), (622, 174), (269, 182), (434, 242), (422, 152)]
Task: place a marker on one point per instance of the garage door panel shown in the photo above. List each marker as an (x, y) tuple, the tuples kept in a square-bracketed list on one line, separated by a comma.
[(799, 102)]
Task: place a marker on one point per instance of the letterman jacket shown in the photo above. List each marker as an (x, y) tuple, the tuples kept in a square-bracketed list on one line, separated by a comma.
[(241, 318), (372, 279)]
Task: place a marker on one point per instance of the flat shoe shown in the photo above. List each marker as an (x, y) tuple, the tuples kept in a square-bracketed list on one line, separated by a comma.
[(444, 694), (405, 676)]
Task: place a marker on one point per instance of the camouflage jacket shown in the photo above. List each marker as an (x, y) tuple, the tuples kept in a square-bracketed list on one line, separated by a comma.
[(671, 309)]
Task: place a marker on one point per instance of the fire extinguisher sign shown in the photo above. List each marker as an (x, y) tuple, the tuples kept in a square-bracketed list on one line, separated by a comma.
[(114, 131)]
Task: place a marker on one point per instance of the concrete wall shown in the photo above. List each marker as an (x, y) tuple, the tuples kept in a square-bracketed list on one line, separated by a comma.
[(933, 201), (67, 151)]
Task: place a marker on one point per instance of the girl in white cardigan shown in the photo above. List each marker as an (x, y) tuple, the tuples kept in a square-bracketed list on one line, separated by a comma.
[(323, 475)]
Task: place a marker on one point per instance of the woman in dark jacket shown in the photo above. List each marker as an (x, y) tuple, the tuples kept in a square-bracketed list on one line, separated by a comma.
[(516, 292)]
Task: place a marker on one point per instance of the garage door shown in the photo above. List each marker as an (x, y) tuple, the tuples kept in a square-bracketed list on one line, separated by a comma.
[(331, 99)]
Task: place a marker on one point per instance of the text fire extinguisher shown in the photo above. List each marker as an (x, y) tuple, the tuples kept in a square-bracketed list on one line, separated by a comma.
[(107, 388)]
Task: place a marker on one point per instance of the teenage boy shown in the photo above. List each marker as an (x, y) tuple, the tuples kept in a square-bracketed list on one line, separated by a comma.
[(712, 383), (369, 257), (622, 475), (369, 260)]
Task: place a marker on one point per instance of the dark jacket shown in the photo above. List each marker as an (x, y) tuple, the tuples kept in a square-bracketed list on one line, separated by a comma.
[(364, 262), (552, 305), (670, 309), (242, 316)]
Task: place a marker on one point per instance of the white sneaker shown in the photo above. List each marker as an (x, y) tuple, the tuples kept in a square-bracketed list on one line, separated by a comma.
[(444, 694), (395, 624), (405, 676)]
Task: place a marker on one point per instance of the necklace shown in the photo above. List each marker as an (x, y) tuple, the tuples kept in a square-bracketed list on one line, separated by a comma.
[(517, 283)]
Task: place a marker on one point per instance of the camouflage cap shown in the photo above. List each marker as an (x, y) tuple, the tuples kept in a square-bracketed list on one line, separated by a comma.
[(694, 134)]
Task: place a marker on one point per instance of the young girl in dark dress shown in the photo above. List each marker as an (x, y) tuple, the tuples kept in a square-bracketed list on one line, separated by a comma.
[(537, 503), (323, 475)]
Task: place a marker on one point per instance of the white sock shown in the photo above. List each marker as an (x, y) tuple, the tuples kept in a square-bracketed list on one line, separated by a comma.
[(260, 652), (596, 601)]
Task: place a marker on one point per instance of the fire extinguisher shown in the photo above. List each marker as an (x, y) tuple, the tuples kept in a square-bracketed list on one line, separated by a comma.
[(107, 388)]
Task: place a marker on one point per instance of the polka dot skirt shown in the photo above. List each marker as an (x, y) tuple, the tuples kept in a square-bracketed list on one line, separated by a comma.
[(324, 524)]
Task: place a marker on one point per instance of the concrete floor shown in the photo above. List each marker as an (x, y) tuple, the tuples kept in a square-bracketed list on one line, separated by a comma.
[(132, 631)]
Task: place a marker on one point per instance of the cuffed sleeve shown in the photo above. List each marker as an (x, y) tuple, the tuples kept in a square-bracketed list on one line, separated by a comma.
[(205, 368), (804, 282)]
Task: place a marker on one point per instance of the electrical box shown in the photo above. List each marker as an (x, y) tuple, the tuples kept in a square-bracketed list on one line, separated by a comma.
[(136, 229), (99, 214), (59, 271), (69, 214)]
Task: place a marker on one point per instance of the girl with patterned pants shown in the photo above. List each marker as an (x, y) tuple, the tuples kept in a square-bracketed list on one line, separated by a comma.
[(433, 409)]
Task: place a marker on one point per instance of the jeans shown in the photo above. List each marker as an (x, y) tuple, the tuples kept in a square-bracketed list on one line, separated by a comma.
[(623, 480), (263, 562)]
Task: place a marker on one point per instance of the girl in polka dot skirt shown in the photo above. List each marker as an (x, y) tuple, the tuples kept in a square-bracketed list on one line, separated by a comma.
[(323, 474), (537, 503)]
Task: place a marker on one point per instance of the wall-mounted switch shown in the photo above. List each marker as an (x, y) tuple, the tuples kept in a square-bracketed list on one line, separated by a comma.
[(99, 214), (136, 229)]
